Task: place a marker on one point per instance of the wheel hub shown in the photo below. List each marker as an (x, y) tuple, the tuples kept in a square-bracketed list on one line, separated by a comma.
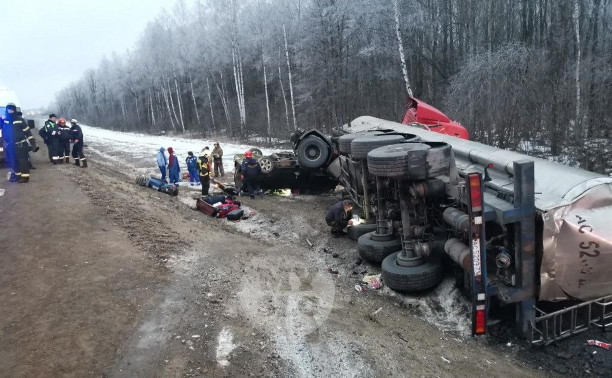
[(313, 152), (382, 237), (404, 259), (266, 165)]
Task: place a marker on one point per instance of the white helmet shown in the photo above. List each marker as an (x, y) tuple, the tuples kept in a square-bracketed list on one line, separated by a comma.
[(73, 121)]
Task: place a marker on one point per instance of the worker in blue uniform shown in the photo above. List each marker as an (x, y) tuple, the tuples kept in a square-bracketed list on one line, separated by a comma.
[(192, 168), (77, 147), (250, 171), (174, 170), (18, 139)]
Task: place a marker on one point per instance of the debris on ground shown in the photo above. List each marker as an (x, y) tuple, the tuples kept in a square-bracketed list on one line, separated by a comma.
[(373, 281), (373, 315), (333, 270), (600, 344)]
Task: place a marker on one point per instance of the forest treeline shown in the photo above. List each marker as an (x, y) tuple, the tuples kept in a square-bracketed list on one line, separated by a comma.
[(532, 75)]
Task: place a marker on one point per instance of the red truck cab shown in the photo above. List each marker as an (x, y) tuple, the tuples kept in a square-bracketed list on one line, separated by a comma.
[(426, 116)]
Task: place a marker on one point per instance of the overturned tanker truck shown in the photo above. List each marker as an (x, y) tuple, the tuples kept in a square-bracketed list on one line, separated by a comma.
[(523, 232)]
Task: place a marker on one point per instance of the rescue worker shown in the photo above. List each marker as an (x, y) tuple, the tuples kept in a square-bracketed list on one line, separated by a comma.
[(339, 217), (173, 167), (77, 148), (48, 134), (10, 153), (31, 127), (217, 154), (204, 173), (250, 171), (18, 139), (192, 167), (162, 162), (65, 136)]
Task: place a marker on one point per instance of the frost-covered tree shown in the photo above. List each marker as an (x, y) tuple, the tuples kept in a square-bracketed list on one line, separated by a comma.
[(536, 71)]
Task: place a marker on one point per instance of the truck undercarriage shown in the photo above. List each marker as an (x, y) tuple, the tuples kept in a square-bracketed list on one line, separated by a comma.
[(520, 231)]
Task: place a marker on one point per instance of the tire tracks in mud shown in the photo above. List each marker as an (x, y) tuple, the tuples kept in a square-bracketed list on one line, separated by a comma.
[(108, 189)]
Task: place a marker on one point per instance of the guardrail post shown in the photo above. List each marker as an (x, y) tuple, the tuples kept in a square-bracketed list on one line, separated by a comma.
[(525, 261)]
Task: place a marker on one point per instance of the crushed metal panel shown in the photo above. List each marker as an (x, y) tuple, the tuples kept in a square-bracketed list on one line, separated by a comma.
[(578, 245)]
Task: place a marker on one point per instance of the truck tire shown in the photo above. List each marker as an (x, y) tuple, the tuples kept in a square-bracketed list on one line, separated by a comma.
[(375, 251), (404, 160), (266, 165), (355, 232), (344, 143), (313, 152), (411, 278), (362, 145)]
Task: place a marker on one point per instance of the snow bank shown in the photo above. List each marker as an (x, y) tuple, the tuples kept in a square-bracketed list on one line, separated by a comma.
[(138, 150)]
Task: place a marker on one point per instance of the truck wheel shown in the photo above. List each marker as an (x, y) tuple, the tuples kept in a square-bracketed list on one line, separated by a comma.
[(375, 251), (313, 152), (404, 160), (266, 165), (411, 278), (344, 143), (362, 145), (355, 232)]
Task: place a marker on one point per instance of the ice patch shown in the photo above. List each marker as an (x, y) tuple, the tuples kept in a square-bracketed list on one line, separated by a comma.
[(445, 307), (225, 346)]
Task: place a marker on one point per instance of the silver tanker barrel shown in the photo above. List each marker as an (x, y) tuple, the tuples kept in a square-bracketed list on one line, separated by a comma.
[(574, 205)]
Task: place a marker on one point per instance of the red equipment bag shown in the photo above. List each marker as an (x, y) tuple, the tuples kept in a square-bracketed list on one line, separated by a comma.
[(226, 208), (206, 208)]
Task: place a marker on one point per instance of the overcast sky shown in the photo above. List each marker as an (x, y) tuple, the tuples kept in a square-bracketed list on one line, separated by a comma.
[(46, 44)]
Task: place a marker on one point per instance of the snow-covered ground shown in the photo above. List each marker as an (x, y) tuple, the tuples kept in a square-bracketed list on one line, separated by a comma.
[(141, 148)]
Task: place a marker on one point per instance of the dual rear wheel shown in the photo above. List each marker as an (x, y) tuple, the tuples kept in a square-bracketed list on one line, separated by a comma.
[(407, 162)]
